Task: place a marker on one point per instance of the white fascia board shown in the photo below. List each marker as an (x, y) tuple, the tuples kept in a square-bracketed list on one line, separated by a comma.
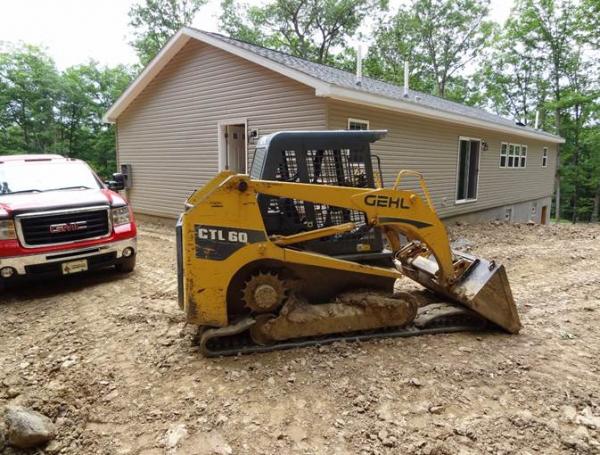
[(381, 102), (174, 45)]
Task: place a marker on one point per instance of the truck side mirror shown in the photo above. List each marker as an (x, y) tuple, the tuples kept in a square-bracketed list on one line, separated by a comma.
[(118, 182)]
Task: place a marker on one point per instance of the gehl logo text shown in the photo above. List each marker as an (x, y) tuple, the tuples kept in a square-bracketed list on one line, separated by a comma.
[(385, 201), (222, 235)]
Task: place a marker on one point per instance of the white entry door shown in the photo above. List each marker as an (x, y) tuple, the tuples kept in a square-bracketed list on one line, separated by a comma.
[(235, 147)]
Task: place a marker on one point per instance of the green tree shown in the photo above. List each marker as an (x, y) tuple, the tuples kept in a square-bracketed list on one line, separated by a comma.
[(510, 79), (43, 110), (311, 29), (550, 29), (579, 106), (28, 94), (439, 38), (155, 21), (87, 92)]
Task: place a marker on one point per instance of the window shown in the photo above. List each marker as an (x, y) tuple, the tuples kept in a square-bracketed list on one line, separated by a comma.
[(356, 124), (513, 155), (468, 169), (503, 154), (545, 157)]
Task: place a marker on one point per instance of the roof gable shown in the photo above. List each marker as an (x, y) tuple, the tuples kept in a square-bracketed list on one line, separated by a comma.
[(329, 82)]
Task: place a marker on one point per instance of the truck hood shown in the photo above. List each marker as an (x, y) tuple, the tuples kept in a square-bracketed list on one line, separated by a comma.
[(14, 204)]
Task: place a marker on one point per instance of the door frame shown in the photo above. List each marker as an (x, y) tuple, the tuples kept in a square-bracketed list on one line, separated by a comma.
[(222, 144), (467, 201)]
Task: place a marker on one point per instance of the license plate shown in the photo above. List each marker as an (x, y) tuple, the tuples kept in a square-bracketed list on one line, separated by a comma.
[(74, 267)]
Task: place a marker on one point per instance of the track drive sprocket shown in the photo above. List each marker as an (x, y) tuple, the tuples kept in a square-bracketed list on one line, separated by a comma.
[(264, 292)]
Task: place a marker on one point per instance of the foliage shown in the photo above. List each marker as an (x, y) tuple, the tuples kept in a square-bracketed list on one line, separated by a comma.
[(544, 59), (155, 21), (43, 110), (310, 29), (439, 38)]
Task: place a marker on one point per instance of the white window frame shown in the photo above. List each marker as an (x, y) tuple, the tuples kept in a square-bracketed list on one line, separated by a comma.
[(467, 201), (511, 156), (357, 120), (519, 151), (505, 155), (545, 157), (222, 145)]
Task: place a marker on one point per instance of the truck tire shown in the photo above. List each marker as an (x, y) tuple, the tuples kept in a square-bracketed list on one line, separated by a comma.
[(126, 266)]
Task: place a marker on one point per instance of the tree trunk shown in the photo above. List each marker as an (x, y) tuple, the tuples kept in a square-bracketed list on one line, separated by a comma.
[(557, 175), (596, 209)]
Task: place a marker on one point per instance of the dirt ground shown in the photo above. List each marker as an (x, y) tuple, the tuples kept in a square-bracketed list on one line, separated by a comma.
[(107, 358)]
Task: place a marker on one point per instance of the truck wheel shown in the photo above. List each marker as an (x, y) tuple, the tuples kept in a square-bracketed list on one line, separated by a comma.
[(126, 266)]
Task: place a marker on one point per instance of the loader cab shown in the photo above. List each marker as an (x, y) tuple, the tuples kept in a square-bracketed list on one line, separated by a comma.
[(341, 158)]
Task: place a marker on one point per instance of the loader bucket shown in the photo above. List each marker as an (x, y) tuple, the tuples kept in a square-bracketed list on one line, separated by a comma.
[(483, 288)]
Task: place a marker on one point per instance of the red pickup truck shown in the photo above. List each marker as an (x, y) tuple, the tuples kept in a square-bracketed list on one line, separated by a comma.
[(58, 218)]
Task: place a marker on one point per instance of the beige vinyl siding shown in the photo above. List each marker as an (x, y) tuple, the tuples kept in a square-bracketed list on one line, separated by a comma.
[(169, 133), (431, 147)]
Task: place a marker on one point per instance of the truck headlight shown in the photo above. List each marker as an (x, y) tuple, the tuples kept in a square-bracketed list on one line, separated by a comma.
[(120, 215), (7, 230)]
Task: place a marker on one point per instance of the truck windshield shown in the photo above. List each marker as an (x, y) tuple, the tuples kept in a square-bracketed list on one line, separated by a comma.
[(35, 177)]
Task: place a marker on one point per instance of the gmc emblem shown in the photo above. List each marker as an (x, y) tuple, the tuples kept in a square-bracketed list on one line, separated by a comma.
[(68, 227)]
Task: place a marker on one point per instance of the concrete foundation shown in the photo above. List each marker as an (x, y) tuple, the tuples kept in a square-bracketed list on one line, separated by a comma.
[(537, 210)]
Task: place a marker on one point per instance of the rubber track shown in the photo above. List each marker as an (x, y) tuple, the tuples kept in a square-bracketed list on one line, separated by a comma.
[(242, 344)]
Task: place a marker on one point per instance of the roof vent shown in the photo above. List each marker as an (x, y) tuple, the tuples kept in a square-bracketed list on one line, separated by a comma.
[(537, 119), (519, 123), (406, 79), (359, 65), (418, 98)]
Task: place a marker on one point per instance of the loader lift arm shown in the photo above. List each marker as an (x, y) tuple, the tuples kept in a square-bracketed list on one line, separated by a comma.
[(397, 211)]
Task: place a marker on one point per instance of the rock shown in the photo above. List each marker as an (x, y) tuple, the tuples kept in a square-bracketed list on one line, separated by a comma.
[(111, 396), (69, 362), (415, 382), (462, 244), (53, 447), (436, 409), (569, 412), (2, 436), (12, 393), (588, 419), (175, 434), (27, 428)]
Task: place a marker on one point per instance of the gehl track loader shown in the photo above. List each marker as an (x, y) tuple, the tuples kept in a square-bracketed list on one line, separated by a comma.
[(293, 254)]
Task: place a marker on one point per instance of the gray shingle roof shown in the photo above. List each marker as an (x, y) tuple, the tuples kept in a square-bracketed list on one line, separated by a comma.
[(347, 80)]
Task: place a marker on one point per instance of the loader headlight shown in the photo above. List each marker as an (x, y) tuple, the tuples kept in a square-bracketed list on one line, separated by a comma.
[(120, 215), (7, 230)]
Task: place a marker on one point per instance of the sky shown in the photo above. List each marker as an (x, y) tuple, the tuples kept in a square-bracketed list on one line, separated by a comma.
[(76, 31)]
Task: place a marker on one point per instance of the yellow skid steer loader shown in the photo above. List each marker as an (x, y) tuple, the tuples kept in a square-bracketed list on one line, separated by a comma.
[(250, 290)]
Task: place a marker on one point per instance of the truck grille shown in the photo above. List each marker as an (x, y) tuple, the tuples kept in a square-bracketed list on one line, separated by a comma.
[(51, 228)]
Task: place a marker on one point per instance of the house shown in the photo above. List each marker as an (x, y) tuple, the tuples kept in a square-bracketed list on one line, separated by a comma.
[(206, 98)]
